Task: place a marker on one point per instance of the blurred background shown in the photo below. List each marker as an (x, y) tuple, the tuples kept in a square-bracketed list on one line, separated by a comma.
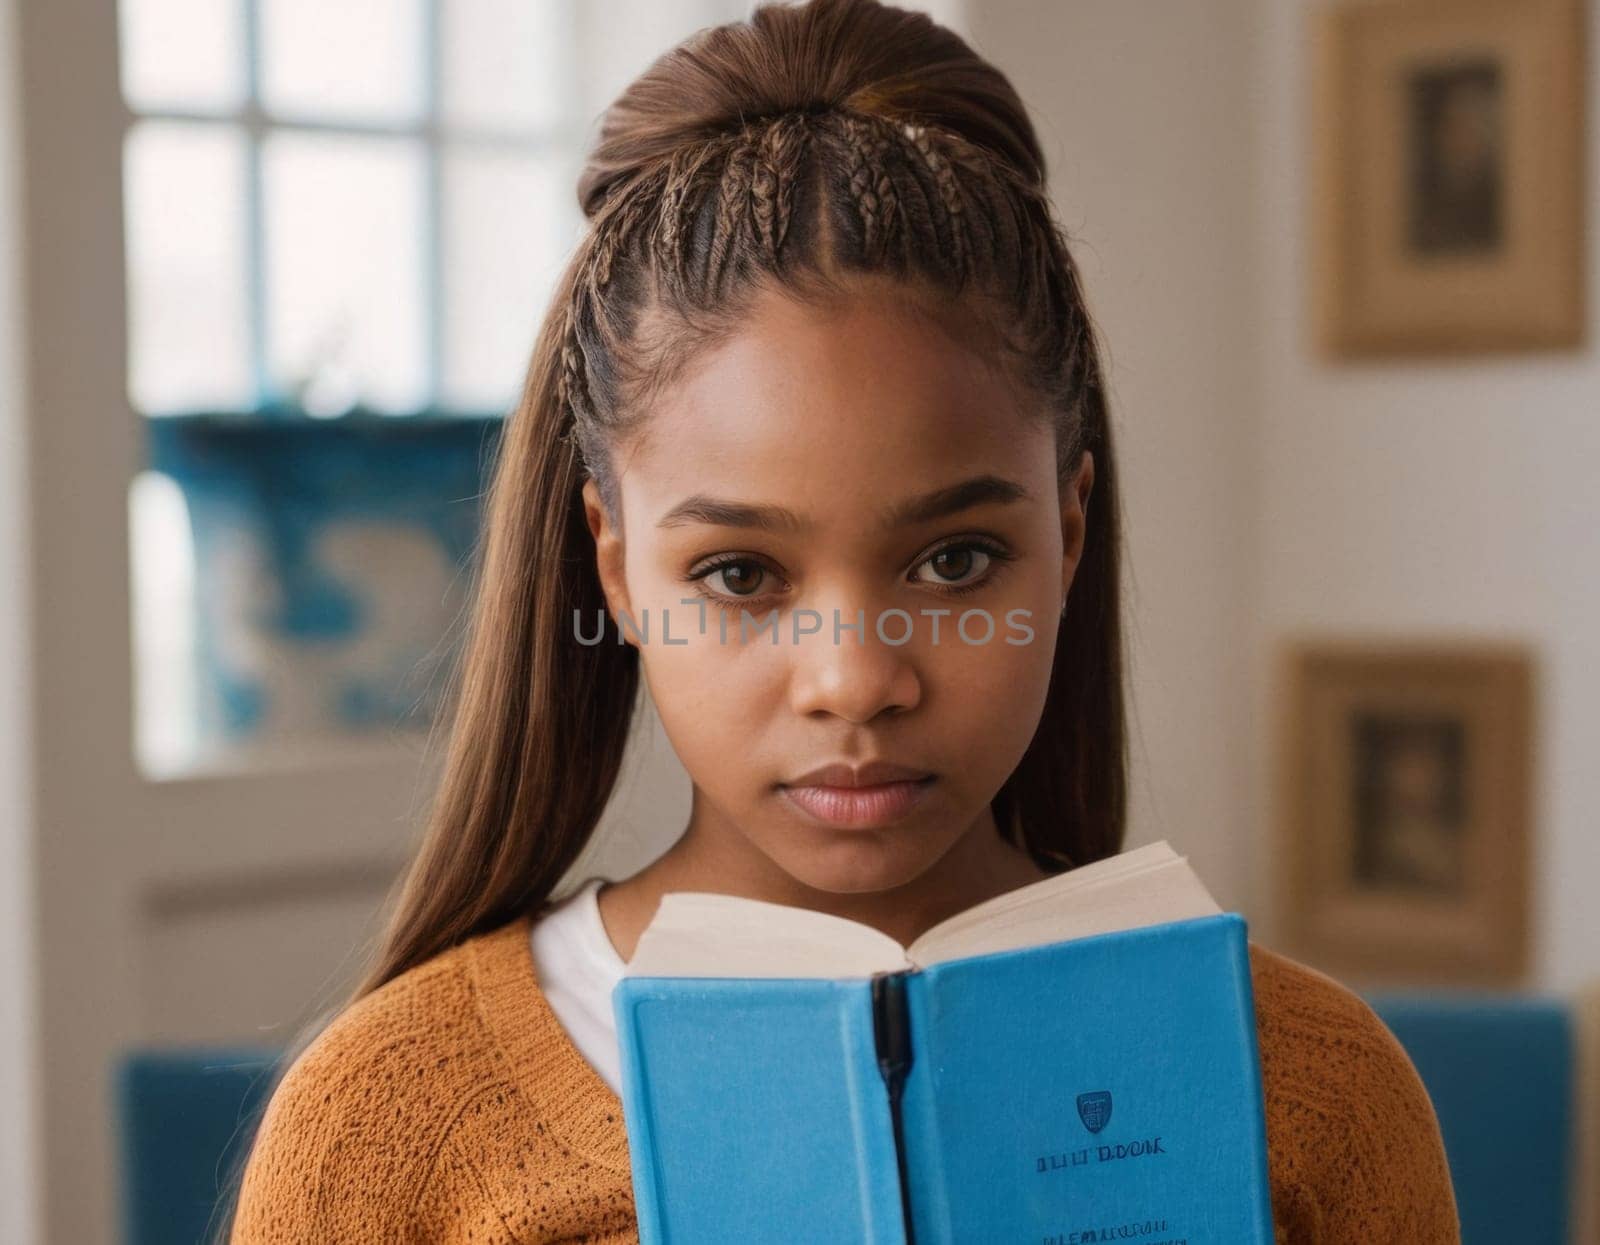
[(269, 274)]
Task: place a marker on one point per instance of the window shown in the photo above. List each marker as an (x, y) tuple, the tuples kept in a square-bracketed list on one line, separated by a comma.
[(332, 206)]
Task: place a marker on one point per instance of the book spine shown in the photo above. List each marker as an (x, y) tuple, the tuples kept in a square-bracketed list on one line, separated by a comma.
[(891, 1027)]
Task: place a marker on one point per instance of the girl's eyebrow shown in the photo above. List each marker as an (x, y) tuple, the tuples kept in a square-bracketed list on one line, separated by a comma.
[(978, 491)]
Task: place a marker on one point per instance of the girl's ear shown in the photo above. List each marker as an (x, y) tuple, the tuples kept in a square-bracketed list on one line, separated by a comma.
[(608, 551), (1074, 518)]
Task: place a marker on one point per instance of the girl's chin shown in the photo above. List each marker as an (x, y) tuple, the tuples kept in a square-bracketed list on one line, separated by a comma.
[(857, 863)]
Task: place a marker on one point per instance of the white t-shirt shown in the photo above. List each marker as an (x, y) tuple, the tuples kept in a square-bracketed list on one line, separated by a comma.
[(577, 968)]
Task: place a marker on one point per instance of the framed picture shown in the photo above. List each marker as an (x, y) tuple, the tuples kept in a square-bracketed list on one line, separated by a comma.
[(1404, 811), (1449, 140)]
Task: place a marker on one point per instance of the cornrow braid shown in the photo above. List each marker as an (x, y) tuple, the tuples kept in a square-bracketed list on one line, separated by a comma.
[(614, 231), (775, 171), (571, 391), (950, 198), (870, 184), (733, 209), (626, 210), (678, 184)]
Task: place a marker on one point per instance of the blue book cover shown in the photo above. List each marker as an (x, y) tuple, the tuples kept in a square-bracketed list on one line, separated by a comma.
[(1094, 1089)]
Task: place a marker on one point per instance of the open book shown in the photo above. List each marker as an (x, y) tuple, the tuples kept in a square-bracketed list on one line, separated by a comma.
[(1072, 1061)]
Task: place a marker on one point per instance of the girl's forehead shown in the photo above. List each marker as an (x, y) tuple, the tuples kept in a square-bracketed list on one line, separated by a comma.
[(838, 403)]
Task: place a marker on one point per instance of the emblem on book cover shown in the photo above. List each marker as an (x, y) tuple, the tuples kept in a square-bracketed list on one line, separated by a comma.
[(1094, 1109)]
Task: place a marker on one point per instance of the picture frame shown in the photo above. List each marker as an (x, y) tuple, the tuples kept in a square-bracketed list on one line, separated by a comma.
[(1448, 206), (1404, 810)]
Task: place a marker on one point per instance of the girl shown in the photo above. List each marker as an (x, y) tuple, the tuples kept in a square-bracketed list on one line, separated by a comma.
[(815, 439)]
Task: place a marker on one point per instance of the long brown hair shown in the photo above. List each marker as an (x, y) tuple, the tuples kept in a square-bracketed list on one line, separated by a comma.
[(795, 149)]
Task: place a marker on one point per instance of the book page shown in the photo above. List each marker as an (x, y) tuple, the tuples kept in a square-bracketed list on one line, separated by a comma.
[(1147, 886), (700, 934)]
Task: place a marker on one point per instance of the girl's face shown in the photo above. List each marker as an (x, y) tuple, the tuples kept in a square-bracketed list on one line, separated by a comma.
[(860, 467)]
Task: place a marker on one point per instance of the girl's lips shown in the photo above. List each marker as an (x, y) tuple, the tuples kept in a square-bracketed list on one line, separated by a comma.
[(859, 807)]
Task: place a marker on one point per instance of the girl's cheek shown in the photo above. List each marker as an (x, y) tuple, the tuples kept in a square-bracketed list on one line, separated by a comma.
[(1001, 682)]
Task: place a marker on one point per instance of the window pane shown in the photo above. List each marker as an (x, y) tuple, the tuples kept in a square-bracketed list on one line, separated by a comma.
[(353, 60), (345, 281), (510, 221), (505, 63), (182, 53), (188, 327), (161, 567)]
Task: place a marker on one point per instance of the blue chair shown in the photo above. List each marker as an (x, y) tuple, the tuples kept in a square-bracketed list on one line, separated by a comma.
[(1501, 1072), (184, 1117)]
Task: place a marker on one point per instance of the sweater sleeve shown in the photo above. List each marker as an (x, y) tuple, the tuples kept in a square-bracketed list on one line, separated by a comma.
[(356, 1142), (323, 1167), (1354, 1143)]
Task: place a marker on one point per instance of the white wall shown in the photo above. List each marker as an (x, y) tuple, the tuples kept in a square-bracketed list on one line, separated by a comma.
[(18, 1209), (17, 1064), (1140, 106), (1434, 496)]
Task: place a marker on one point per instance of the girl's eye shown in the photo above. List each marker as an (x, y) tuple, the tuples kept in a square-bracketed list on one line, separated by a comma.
[(960, 567), (740, 577), (955, 562)]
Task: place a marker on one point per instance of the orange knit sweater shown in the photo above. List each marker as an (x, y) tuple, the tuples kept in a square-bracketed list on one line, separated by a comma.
[(450, 1106)]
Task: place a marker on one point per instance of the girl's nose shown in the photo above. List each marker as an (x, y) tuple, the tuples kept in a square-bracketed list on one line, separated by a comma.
[(853, 673)]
